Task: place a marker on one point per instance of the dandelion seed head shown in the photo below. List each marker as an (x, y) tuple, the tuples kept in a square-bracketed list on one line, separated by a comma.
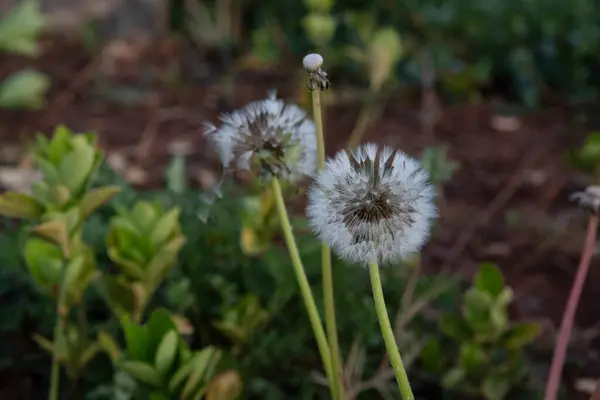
[(374, 204), (275, 137)]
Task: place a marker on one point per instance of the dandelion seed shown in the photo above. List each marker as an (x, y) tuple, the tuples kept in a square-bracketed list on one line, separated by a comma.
[(372, 205), (276, 138)]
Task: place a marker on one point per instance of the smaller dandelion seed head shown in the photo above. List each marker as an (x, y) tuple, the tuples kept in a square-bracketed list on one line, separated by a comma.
[(312, 62), (275, 137), (374, 204)]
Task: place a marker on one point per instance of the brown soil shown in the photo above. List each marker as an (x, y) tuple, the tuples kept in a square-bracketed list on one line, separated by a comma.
[(507, 203)]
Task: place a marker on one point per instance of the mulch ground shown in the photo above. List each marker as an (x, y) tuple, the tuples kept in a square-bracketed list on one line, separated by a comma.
[(507, 203)]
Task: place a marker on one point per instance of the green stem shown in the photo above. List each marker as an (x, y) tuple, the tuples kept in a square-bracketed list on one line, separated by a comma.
[(318, 119), (388, 334), (328, 296), (58, 333), (330, 323), (309, 301)]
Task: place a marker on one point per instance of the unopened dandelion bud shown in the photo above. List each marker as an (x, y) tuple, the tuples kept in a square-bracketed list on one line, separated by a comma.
[(312, 62), (372, 205), (317, 77)]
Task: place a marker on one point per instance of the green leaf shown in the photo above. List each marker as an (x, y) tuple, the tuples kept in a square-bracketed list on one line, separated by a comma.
[(159, 324), (183, 372), (472, 357), (96, 197), (25, 89), (203, 368), (88, 354), (80, 271), (109, 345), (521, 334), (136, 338), (165, 227), (454, 326), (76, 166), (20, 28), (166, 353), (142, 371), (158, 267), (144, 215), (55, 231), (44, 261), (19, 205), (118, 295), (175, 175), (454, 378), (130, 268), (489, 279), (44, 343), (58, 147), (498, 317), (495, 387)]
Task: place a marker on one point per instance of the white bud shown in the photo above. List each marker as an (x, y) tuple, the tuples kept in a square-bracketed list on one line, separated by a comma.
[(312, 62)]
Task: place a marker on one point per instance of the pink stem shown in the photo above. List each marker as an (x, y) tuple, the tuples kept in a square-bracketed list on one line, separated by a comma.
[(558, 359)]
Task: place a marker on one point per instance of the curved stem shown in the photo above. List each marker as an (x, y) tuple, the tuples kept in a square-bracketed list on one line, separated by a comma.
[(560, 351), (309, 301), (388, 334), (328, 296), (58, 332)]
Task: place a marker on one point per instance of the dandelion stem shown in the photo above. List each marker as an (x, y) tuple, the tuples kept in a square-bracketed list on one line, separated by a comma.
[(318, 118), (566, 326), (58, 332), (328, 296), (388, 334), (307, 296)]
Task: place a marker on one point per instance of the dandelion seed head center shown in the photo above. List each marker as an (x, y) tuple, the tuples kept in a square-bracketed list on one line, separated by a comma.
[(372, 205)]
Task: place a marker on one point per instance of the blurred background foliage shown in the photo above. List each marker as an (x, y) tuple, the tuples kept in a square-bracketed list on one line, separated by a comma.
[(520, 49)]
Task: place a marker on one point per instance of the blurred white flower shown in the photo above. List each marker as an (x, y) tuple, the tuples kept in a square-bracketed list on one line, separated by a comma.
[(275, 137), (372, 205)]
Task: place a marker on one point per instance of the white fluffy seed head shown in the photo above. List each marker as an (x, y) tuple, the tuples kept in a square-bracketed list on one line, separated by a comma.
[(372, 205), (312, 62), (277, 138)]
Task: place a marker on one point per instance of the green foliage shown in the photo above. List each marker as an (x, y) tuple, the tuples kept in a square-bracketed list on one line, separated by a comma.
[(235, 312), (518, 49), (24, 89), (489, 359), (587, 157), (20, 29), (18, 35), (143, 243), (158, 357)]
